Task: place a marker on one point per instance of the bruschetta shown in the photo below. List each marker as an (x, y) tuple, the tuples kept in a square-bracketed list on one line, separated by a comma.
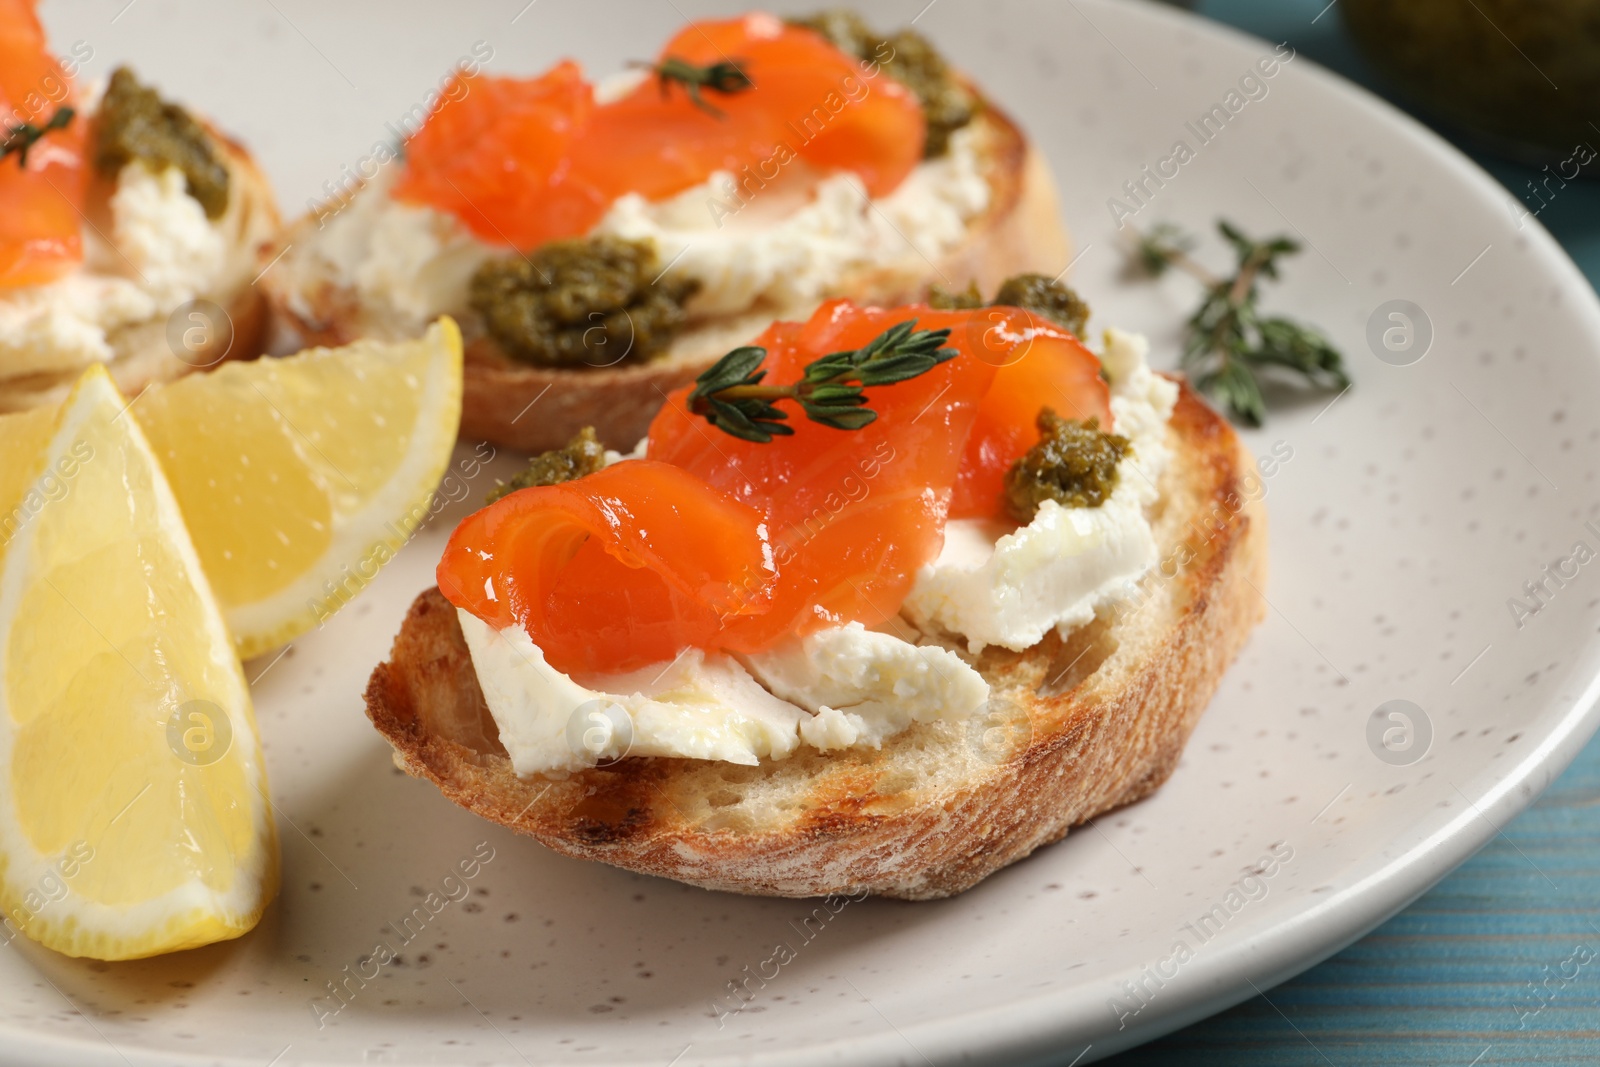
[(885, 601), (129, 229)]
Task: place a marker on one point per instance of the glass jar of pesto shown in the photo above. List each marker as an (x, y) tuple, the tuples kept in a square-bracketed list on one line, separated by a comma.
[(1522, 76)]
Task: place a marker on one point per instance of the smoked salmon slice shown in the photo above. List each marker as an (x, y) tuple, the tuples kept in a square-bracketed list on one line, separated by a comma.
[(40, 198), (524, 161), (721, 543), (853, 513), (614, 571), (498, 158)]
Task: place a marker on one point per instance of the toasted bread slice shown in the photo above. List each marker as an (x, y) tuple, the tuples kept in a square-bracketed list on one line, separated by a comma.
[(142, 353), (1074, 727), (536, 408)]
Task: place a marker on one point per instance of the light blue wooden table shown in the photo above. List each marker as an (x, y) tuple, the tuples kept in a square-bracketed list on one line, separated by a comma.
[(1471, 975)]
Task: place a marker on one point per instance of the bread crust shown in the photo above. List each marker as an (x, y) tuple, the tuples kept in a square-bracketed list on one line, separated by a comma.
[(535, 408), (142, 354), (1075, 727)]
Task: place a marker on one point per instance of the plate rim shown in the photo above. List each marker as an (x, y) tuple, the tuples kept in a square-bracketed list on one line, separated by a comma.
[(1029, 1029)]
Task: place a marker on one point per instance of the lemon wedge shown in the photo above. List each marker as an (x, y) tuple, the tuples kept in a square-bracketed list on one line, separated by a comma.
[(300, 477), (135, 817)]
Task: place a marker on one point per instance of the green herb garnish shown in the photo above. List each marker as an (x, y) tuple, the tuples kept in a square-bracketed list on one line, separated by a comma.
[(21, 138), (731, 397), (726, 78), (1229, 340)]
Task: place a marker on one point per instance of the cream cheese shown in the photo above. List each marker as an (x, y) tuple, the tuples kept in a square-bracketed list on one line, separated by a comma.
[(863, 686), (162, 251), (705, 707), (994, 587), (407, 264), (799, 239), (844, 686), (796, 239)]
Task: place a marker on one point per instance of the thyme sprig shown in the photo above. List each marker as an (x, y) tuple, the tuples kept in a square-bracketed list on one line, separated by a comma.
[(19, 139), (732, 397), (1229, 341), (726, 78)]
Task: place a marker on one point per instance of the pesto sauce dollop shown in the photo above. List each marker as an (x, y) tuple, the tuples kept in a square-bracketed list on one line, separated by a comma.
[(589, 302), (135, 123), (1074, 464), (909, 59), (967, 299), (1043, 296), (1048, 298), (583, 454)]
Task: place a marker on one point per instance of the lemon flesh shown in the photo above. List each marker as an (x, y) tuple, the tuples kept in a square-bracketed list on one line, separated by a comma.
[(134, 817), (299, 477)]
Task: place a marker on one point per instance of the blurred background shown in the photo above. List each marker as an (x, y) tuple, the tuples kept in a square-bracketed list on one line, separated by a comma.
[(1489, 967)]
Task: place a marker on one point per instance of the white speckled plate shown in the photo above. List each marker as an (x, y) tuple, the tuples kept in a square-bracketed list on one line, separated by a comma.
[(1404, 517)]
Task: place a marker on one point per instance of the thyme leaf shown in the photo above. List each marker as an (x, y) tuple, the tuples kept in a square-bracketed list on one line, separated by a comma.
[(726, 78), (732, 397), (19, 139), (1229, 342)]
